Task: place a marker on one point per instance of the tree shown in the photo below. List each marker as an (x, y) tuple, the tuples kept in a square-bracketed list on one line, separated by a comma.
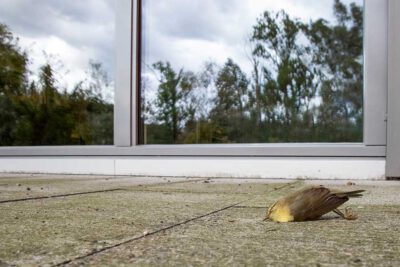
[(230, 103), (42, 113), (288, 81), (13, 68), (171, 106), (93, 114), (55, 120), (311, 90), (337, 54)]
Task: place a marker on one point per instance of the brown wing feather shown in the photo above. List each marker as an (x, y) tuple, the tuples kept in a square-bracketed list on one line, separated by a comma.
[(312, 203), (355, 193)]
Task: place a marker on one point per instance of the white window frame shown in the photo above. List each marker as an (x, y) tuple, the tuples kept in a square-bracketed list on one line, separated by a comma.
[(126, 108)]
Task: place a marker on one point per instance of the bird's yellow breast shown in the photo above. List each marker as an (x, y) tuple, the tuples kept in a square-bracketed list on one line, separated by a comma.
[(281, 214)]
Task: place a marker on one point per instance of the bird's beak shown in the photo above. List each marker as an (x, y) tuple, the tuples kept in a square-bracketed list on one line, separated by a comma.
[(268, 213)]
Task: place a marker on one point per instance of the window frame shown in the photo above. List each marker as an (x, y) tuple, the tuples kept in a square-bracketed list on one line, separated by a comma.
[(127, 96), (393, 128)]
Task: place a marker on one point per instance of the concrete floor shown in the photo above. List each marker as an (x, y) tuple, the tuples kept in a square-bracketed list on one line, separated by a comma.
[(53, 220)]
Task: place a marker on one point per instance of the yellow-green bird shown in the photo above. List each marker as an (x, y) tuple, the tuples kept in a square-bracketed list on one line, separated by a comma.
[(310, 204)]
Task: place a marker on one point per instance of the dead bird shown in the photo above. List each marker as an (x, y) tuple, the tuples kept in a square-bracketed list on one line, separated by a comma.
[(310, 204)]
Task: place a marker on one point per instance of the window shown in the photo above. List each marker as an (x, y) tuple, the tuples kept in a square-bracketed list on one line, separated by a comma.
[(56, 72), (147, 61), (220, 71)]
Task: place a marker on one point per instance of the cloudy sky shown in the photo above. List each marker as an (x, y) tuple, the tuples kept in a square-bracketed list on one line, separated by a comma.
[(189, 32), (185, 32), (66, 33)]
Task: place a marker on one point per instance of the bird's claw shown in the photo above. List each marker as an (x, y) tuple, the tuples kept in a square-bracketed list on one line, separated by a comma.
[(349, 214)]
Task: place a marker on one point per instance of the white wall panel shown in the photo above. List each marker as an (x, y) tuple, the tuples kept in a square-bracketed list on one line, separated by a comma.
[(316, 168)]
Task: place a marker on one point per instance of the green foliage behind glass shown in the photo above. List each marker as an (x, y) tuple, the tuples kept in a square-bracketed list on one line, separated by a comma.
[(42, 114), (306, 86)]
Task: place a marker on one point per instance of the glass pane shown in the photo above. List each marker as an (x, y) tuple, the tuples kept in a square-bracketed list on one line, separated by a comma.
[(255, 71), (56, 72)]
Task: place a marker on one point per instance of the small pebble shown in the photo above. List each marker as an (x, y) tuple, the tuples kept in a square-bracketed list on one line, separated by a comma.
[(28, 188)]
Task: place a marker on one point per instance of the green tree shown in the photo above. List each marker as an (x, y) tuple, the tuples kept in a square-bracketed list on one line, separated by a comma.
[(42, 113), (93, 115), (230, 102), (55, 120), (13, 69), (171, 106), (337, 54), (288, 81)]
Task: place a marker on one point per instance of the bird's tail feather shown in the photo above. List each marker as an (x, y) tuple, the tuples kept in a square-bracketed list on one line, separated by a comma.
[(355, 193)]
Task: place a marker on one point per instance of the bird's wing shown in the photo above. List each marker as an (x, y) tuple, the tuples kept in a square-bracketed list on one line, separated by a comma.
[(314, 202), (354, 193)]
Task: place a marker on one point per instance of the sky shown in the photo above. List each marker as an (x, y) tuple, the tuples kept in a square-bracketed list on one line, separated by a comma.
[(68, 34), (186, 33), (189, 32)]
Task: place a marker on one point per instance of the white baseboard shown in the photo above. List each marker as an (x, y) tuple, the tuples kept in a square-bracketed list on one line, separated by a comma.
[(291, 168)]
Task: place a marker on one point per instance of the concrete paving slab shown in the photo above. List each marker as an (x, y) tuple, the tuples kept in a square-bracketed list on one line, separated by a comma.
[(194, 222), (23, 186), (237, 237), (50, 231)]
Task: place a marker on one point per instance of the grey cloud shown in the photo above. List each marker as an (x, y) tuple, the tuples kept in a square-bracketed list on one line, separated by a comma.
[(36, 17), (85, 24), (228, 23), (205, 20), (89, 24)]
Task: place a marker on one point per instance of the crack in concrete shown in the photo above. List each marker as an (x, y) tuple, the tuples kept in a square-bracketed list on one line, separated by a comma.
[(126, 188), (97, 251), (94, 252), (59, 196)]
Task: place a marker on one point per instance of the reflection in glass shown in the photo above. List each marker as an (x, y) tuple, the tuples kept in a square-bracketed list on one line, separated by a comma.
[(251, 71), (55, 69)]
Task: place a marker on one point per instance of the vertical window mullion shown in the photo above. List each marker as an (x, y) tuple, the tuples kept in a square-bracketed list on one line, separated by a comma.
[(375, 71), (135, 71), (393, 145), (123, 120)]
